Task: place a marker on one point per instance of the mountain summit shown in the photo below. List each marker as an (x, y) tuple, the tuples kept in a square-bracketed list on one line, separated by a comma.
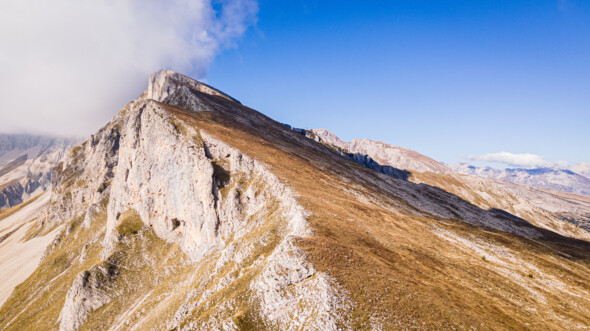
[(190, 211), (166, 83)]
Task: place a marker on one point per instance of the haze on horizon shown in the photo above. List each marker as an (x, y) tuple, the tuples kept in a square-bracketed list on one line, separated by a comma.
[(487, 83)]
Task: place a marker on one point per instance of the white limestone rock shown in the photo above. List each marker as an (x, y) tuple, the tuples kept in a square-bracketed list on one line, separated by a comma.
[(86, 294)]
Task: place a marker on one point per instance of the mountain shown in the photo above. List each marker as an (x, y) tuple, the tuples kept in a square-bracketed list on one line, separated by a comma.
[(25, 165), (547, 178), (190, 211)]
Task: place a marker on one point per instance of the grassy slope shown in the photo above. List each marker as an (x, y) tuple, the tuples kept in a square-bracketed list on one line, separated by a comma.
[(393, 265), (475, 191), (145, 264)]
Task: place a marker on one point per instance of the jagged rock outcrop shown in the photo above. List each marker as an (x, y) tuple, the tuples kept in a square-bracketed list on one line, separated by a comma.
[(87, 293), (175, 89)]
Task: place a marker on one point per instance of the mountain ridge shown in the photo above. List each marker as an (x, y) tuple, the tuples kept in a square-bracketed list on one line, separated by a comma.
[(223, 218)]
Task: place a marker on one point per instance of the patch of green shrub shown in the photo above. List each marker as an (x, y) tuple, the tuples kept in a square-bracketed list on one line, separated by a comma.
[(130, 223)]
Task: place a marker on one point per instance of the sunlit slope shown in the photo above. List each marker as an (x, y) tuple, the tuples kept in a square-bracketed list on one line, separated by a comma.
[(405, 252)]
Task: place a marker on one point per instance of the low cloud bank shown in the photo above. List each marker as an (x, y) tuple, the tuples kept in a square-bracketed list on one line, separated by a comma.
[(526, 160), (67, 66)]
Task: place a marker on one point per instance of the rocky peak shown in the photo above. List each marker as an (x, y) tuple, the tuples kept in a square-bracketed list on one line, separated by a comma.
[(381, 154), (327, 136), (165, 83)]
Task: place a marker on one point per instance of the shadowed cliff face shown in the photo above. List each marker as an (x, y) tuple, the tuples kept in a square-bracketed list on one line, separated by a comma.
[(191, 211)]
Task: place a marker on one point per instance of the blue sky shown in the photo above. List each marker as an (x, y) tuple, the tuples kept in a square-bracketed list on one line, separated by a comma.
[(445, 78), (493, 82)]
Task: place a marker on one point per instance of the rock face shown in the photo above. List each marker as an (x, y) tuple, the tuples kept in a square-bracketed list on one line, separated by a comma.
[(189, 211), (88, 292), (26, 162), (547, 178), (162, 164)]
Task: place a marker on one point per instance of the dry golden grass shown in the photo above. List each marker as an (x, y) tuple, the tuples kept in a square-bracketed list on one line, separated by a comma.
[(148, 268), (477, 192), (35, 304), (146, 264)]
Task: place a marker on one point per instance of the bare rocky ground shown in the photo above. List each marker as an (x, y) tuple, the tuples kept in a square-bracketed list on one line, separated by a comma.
[(189, 211)]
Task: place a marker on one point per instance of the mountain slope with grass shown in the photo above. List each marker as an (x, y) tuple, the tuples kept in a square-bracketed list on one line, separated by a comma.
[(564, 213), (191, 211)]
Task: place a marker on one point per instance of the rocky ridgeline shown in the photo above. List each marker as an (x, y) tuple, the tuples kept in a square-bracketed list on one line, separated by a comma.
[(485, 187), (395, 161), (401, 162)]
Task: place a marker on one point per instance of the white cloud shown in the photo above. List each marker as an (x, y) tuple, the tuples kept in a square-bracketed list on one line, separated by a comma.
[(66, 66), (582, 168), (526, 160)]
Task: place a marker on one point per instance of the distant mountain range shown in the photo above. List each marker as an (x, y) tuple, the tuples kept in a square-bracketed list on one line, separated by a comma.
[(26, 162), (548, 178), (402, 162)]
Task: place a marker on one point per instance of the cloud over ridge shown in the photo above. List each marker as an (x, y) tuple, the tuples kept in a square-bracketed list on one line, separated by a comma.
[(66, 66), (526, 160)]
